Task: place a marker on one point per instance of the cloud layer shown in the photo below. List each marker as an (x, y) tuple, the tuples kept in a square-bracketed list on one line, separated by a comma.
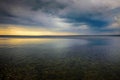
[(76, 16)]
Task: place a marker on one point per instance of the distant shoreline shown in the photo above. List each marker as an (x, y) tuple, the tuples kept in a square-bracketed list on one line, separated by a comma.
[(55, 36)]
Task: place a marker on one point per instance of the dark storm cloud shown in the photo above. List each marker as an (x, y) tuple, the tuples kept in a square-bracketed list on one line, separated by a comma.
[(87, 19), (43, 5)]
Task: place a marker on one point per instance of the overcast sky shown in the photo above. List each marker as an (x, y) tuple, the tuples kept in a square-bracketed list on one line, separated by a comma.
[(67, 16)]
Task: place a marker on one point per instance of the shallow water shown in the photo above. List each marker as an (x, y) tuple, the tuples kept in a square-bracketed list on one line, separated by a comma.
[(88, 58)]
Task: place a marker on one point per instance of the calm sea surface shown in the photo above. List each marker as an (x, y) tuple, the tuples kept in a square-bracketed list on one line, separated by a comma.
[(88, 58)]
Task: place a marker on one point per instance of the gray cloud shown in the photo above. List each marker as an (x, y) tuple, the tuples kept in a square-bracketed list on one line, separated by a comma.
[(62, 15)]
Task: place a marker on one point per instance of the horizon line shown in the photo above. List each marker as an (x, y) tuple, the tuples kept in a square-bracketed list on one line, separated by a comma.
[(52, 36)]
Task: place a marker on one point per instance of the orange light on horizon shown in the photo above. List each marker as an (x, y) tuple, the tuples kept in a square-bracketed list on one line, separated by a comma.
[(19, 30)]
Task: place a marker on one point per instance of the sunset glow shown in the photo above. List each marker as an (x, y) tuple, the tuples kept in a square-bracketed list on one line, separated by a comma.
[(18, 30)]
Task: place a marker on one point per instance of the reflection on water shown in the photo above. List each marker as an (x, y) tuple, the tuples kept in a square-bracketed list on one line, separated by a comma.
[(17, 42), (60, 59)]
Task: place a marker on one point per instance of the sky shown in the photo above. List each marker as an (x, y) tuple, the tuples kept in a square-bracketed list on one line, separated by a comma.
[(59, 17)]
